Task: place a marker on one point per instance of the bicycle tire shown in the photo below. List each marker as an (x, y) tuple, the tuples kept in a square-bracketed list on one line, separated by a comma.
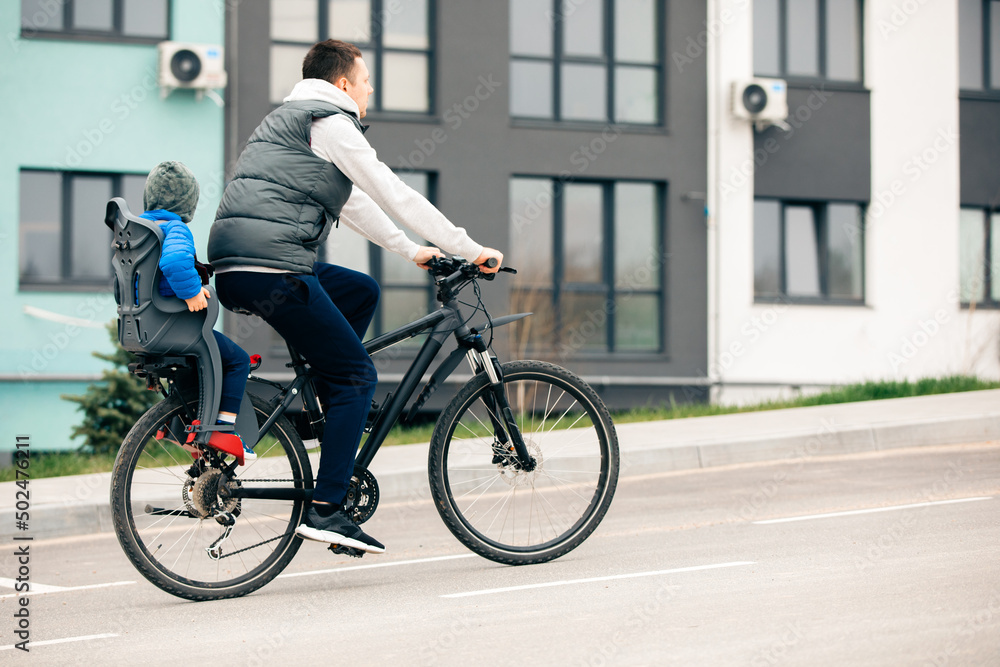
[(140, 536), (458, 467)]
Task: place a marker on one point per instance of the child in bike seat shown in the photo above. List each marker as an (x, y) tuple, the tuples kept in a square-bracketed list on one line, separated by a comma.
[(170, 198)]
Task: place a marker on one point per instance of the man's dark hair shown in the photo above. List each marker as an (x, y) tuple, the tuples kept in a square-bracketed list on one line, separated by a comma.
[(330, 60)]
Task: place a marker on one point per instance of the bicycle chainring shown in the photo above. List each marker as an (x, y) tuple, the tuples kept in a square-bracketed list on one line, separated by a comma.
[(362, 495)]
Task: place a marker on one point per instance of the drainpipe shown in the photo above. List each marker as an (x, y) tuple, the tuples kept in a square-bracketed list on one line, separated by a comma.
[(713, 74)]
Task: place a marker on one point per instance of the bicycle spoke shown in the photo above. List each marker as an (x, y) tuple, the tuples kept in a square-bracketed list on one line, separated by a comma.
[(495, 479)]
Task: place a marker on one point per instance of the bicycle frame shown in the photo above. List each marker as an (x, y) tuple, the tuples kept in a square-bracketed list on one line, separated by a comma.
[(443, 322)]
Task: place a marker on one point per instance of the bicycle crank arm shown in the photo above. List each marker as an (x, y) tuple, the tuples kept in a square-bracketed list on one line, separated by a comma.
[(159, 511)]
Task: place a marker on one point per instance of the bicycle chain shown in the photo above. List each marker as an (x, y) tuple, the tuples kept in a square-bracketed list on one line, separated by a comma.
[(254, 546), (259, 544)]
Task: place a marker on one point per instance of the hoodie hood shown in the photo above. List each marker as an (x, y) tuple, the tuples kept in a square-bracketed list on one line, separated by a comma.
[(318, 89)]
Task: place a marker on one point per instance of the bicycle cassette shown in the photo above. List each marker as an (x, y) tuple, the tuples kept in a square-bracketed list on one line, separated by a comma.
[(202, 498), (362, 495)]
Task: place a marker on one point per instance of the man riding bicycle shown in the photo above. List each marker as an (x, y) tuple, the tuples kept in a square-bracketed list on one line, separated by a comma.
[(294, 180)]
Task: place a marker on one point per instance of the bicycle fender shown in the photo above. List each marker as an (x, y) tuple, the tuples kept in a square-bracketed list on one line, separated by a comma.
[(449, 365), (246, 422), (500, 321)]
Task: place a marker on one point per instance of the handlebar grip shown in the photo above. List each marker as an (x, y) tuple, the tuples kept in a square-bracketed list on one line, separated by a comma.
[(491, 263)]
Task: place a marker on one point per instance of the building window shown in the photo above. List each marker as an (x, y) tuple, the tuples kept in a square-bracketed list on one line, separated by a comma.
[(590, 260), (808, 251), (127, 20), (979, 257), (979, 44), (394, 36), (808, 39), (407, 290), (586, 60), (63, 241)]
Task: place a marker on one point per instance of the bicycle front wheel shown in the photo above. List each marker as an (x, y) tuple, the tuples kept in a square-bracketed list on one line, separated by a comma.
[(172, 513), (500, 510)]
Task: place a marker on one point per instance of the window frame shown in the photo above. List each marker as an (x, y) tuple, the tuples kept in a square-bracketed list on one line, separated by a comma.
[(821, 45), (66, 282), (986, 90), (377, 111), (116, 34), (986, 275), (820, 208), (607, 61), (607, 286)]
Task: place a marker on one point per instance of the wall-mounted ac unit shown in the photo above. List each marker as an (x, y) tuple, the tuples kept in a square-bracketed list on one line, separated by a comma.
[(763, 101), (195, 66)]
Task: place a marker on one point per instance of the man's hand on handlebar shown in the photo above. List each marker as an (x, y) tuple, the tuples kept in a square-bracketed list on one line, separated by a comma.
[(424, 254), (199, 301), (488, 254)]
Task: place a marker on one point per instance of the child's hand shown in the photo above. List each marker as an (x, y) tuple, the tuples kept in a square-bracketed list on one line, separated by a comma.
[(198, 301)]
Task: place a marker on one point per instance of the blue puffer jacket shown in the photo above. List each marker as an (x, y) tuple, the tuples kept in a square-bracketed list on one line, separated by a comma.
[(177, 257)]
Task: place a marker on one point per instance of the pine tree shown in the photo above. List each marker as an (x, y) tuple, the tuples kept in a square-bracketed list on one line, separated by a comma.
[(111, 406)]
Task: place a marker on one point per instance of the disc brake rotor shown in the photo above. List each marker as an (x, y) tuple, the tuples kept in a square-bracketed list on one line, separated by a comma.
[(513, 474)]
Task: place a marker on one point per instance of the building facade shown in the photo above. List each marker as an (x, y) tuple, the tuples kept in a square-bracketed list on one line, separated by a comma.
[(558, 134), (857, 244), (668, 248), (86, 121)]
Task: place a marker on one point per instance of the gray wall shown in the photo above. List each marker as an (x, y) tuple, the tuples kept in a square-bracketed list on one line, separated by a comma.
[(476, 159), (827, 155), (979, 132)]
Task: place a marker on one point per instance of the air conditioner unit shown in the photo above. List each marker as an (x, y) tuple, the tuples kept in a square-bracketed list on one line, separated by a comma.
[(195, 66), (763, 101)]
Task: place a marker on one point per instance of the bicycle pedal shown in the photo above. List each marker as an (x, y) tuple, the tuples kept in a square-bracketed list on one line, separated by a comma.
[(346, 551)]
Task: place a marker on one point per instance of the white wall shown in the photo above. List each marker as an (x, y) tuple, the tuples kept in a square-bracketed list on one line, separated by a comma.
[(911, 325)]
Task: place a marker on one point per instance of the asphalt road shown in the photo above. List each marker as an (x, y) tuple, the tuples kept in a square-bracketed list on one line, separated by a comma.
[(688, 568)]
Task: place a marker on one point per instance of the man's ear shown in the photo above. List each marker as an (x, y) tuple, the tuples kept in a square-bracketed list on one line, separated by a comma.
[(341, 83)]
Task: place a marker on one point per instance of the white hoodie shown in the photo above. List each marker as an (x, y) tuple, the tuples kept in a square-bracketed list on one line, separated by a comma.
[(337, 140)]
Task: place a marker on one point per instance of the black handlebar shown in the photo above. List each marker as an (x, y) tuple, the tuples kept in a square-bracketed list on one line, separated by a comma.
[(446, 266), (448, 272)]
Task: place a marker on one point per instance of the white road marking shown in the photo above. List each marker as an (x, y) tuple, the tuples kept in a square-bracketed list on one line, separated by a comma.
[(569, 582), (41, 589), (374, 565), (872, 510), (33, 644), (35, 587)]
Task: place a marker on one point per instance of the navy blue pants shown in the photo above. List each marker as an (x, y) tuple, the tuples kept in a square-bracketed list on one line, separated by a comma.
[(323, 316), (235, 368)]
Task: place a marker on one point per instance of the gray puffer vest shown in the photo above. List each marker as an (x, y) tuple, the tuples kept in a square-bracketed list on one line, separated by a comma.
[(283, 199)]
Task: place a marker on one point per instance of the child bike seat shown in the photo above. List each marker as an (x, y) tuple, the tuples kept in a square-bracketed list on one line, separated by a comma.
[(152, 326)]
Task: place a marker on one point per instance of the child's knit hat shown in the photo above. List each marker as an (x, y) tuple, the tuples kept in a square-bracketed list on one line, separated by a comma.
[(172, 187)]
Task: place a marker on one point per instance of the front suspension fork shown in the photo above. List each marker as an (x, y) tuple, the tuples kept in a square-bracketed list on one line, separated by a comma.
[(504, 425)]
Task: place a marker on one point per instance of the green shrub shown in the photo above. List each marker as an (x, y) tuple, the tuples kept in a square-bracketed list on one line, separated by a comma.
[(111, 406)]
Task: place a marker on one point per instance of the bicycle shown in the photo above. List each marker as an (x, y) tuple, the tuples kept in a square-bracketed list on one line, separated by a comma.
[(201, 527)]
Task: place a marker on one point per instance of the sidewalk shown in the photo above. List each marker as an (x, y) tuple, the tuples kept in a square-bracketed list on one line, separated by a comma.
[(63, 506)]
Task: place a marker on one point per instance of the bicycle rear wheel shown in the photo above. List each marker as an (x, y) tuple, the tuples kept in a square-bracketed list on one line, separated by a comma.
[(501, 511), (169, 510)]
